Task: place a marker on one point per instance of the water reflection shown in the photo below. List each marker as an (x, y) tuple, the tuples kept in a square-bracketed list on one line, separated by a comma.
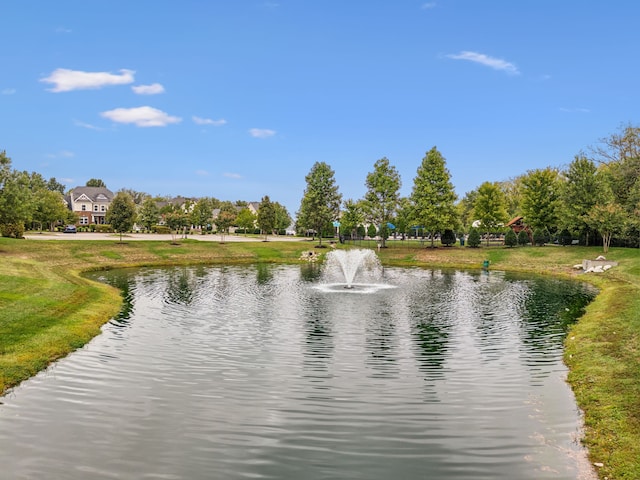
[(250, 372)]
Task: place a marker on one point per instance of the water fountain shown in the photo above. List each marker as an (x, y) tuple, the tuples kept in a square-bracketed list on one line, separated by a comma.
[(343, 267)]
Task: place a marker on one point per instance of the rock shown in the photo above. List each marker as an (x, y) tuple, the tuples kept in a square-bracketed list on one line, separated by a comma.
[(601, 257), (577, 267)]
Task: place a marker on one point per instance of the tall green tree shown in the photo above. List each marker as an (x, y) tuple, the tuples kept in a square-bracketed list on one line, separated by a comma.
[(226, 218), (283, 219), (202, 212), (433, 197), (266, 216), (352, 217), (149, 213), (246, 219), (16, 199), (321, 200), (490, 207), (49, 208), (609, 219), (581, 191), (122, 213), (176, 220), (540, 202), (383, 194), (95, 182)]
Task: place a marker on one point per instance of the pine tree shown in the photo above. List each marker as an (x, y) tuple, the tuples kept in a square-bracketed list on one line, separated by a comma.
[(433, 195)]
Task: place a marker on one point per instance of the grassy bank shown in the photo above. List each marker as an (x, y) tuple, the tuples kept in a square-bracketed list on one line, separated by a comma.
[(47, 309)]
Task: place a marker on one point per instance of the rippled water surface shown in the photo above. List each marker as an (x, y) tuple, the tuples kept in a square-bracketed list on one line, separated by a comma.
[(255, 372)]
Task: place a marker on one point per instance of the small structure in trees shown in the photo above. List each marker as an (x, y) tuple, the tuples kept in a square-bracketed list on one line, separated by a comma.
[(517, 225)]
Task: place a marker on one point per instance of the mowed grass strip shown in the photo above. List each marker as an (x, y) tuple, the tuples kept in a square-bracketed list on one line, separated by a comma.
[(48, 309)]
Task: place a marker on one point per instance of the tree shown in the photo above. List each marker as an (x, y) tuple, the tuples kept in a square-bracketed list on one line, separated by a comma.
[(49, 208), (523, 238), (565, 238), (473, 240), (321, 200), (202, 213), (382, 196), (608, 219), (541, 198), (55, 186), (448, 238), (510, 238), (226, 217), (540, 236), (266, 216), (176, 220), (489, 207), (581, 191), (433, 196), (122, 213), (149, 213), (282, 217), (16, 199), (246, 220), (95, 182), (352, 217)]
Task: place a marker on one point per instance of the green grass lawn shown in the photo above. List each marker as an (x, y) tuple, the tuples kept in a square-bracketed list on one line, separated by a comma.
[(47, 309)]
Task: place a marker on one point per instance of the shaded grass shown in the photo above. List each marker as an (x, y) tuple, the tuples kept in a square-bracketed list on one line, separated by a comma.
[(47, 309)]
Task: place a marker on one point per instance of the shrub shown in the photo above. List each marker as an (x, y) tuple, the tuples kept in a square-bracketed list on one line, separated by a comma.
[(106, 228), (448, 238), (510, 238), (523, 238), (540, 237), (161, 229), (12, 230), (565, 237), (473, 240)]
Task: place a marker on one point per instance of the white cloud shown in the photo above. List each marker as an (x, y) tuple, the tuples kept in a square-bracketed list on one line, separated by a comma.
[(141, 116), (208, 121), (65, 80), (63, 30), (8, 91), (428, 5), (61, 154), (153, 89), (482, 59), (261, 132), (574, 110), (78, 123), (232, 175), (202, 173)]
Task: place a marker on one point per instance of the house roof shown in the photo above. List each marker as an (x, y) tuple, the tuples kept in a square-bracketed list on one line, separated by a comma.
[(95, 194), (514, 221)]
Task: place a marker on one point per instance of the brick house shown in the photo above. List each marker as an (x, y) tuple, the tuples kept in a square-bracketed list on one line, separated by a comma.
[(90, 204)]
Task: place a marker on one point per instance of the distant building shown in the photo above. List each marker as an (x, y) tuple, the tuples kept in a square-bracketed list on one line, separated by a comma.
[(90, 203)]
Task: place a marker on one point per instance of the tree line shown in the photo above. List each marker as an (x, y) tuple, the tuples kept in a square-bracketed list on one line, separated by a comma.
[(596, 198)]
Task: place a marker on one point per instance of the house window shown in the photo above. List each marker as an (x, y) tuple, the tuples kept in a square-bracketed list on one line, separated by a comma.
[(84, 220), (95, 208), (84, 208), (103, 208)]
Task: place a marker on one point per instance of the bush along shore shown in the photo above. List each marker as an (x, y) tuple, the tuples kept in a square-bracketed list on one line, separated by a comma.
[(48, 309)]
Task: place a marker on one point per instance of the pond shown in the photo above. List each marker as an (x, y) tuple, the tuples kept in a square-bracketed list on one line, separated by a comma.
[(239, 372)]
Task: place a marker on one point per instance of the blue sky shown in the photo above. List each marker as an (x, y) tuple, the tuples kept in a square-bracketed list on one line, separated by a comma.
[(238, 99)]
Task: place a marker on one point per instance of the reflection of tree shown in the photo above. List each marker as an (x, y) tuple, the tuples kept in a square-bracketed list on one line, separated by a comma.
[(125, 282), (550, 307), (264, 273), (310, 272), (432, 342), (179, 289), (381, 341), (319, 336)]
